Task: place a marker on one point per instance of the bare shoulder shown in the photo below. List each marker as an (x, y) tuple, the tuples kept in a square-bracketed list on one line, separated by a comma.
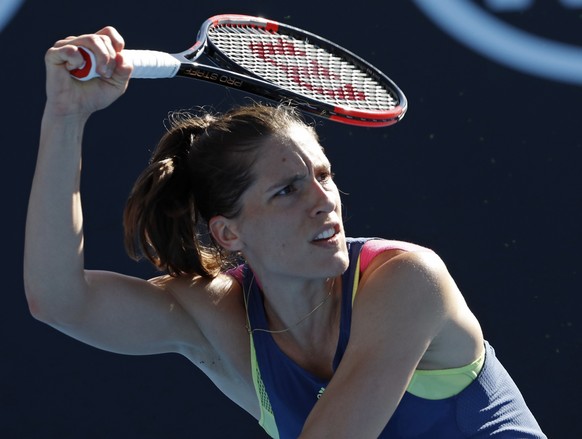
[(197, 289), (212, 302), (415, 292), (218, 308), (423, 268)]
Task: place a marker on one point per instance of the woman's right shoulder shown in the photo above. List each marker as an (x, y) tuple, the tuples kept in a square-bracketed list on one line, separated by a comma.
[(200, 291), (215, 304)]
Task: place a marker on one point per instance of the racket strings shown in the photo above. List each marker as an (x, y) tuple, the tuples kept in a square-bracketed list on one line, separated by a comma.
[(302, 67)]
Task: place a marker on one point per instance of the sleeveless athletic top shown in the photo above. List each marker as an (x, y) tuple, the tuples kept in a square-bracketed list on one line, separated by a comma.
[(476, 401)]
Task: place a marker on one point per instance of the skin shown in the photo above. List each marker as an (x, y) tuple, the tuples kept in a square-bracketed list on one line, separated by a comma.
[(408, 312)]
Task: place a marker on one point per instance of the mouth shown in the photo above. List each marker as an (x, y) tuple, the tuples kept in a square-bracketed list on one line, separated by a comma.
[(326, 234)]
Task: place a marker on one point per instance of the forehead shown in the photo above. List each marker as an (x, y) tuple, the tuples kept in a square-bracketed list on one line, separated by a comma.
[(296, 147)]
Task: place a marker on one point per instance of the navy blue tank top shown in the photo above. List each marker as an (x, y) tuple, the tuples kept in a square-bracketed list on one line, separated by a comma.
[(492, 405)]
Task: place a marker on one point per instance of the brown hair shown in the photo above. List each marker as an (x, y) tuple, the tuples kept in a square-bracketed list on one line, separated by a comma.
[(199, 169)]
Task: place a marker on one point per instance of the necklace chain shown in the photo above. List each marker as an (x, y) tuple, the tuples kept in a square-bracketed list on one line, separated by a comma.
[(246, 297)]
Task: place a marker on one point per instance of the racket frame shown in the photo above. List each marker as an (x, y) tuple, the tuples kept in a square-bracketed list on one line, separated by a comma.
[(228, 73)]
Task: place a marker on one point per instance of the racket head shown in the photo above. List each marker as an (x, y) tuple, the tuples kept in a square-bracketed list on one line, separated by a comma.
[(313, 73)]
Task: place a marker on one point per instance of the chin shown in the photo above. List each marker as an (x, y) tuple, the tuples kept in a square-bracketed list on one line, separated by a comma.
[(341, 259)]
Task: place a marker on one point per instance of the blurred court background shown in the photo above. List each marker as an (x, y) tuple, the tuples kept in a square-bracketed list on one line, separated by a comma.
[(485, 169)]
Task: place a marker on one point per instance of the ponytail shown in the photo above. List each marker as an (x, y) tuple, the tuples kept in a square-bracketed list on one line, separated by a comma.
[(200, 168), (160, 217)]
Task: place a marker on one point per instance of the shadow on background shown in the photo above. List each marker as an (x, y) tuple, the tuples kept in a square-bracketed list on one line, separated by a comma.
[(484, 169)]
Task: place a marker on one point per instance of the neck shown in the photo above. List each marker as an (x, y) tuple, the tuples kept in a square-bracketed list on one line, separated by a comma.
[(312, 343), (301, 309)]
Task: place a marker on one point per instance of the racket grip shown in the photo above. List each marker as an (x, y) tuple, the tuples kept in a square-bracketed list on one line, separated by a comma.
[(147, 64), (151, 64)]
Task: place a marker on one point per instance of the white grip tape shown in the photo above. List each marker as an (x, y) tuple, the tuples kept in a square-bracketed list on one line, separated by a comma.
[(151, 64)]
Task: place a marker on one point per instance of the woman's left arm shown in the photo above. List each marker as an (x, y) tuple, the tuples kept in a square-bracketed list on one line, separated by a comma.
[(401, 306)]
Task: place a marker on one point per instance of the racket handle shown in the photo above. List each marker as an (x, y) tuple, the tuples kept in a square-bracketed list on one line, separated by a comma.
[(147, 64)]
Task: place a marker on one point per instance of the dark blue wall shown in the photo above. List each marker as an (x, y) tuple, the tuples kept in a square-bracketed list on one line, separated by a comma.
[(485, 169)]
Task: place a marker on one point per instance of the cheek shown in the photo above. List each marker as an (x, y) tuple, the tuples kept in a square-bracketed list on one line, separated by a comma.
[(269, 231), (271, 245), (277, 235)]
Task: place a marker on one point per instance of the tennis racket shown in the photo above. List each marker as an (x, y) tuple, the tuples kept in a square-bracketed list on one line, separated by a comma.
[(278, 62)]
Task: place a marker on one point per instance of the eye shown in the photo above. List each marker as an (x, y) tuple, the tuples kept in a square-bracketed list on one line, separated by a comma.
[(287, 190), (325, 176)]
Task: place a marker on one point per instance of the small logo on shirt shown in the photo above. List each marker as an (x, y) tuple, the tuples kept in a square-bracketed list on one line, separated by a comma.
[(320, 392)]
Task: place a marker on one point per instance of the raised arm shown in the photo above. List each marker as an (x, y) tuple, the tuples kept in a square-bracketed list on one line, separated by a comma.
[(107, 310)]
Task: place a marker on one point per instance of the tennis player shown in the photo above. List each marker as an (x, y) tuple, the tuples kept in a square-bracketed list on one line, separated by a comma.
[(312, 333)]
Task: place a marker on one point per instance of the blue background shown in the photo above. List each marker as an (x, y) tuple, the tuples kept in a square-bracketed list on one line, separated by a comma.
[(484, 169)]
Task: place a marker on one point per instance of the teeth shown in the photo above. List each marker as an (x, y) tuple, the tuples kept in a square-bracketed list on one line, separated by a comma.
[(326, 234)]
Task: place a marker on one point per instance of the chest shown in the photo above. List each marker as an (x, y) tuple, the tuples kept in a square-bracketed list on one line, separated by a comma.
[(316, 355)]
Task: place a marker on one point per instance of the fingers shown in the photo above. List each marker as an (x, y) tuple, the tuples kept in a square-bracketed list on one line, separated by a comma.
[(116, 39), (64, 55), (106, 44)]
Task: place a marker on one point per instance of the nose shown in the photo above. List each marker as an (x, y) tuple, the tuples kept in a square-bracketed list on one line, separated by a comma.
[(323, 197)]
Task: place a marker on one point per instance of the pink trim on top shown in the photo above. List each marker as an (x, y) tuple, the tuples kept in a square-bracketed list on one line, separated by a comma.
[(374, 247), (237, 273)]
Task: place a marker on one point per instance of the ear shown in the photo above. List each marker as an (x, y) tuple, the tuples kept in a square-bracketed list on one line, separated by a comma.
[(223, 231)]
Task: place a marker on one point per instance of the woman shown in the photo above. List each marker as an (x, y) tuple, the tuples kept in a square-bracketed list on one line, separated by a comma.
[(373, 328)]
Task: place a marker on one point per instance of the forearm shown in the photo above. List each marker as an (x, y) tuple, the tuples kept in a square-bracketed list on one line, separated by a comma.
[(53, 259)]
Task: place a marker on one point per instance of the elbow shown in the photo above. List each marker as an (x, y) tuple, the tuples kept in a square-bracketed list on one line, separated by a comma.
[(35, 306), (33, 303), (43, 306), (34, 309), (35, 291)]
